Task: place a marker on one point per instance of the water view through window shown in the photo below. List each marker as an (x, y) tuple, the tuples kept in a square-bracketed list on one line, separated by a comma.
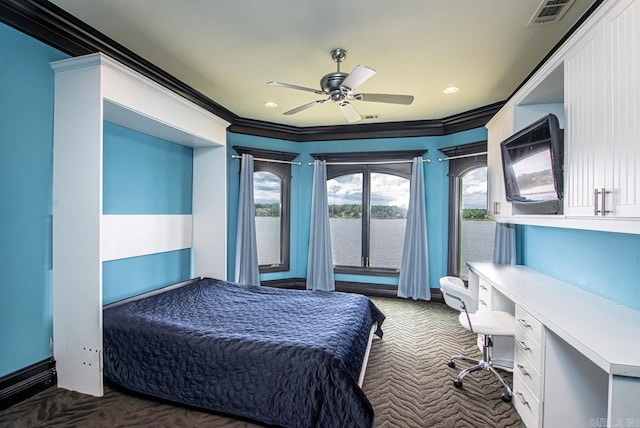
[(389, 204), (267, 195), (389, 196), (476, 230)]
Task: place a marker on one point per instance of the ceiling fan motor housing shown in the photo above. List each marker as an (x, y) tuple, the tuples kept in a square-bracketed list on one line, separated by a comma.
[(330, 84)]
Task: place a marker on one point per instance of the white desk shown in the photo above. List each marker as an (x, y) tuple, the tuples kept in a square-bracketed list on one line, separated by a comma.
[(592, 351)]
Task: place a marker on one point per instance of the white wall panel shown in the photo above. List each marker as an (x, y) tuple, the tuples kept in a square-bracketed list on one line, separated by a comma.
[(126, 236)]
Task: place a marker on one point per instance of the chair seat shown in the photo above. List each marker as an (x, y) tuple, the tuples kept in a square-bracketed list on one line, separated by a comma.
[(496, 323)]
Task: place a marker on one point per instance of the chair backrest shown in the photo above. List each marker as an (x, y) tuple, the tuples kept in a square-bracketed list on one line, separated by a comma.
[(456, 295)]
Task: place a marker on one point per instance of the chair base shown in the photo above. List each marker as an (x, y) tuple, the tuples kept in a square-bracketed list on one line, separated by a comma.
[(482, 364)]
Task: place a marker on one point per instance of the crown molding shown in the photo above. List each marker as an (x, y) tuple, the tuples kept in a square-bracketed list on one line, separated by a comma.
[(52, 25)]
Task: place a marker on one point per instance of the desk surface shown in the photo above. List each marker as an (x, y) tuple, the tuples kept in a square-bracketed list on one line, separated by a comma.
[(606, 332)]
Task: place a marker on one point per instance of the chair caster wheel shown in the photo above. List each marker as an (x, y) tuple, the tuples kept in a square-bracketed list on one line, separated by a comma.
[(457, 383), (452, 364), (506, 398)]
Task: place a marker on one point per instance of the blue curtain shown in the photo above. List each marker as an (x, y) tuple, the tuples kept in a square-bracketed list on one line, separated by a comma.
[(247, 271), (504, 247), (320, 263), (414, 269)]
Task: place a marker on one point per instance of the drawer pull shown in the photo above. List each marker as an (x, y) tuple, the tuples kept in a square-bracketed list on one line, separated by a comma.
[(523, 322), (523, 345), (482, 302), (483, 287), (522, 399), (523, 370)]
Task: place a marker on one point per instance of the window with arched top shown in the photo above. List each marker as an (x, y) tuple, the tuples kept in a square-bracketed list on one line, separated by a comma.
[(471, 231), (368, 195), (272, 202)]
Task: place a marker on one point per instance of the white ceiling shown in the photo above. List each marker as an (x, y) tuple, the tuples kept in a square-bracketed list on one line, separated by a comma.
[(229, 49)]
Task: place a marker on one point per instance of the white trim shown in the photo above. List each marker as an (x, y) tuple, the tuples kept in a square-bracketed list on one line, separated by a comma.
[(125, 236)]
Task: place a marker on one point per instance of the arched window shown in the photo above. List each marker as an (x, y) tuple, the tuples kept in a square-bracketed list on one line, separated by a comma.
[(368, 203), (368, 216), (471, 232), (272, 201)]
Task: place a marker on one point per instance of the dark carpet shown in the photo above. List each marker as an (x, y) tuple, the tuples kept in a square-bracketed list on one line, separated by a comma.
[(407, 381)]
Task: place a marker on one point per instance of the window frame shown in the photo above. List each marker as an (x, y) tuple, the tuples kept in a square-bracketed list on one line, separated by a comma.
[(458, 168), (362, 162), (282, 171)]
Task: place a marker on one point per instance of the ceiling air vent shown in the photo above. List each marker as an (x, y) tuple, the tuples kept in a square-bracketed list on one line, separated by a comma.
[(550, 11)]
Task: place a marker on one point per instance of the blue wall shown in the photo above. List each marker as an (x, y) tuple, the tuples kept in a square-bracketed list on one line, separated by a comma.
[(436, 182), (26, 183), (144, 175), (604, 263)]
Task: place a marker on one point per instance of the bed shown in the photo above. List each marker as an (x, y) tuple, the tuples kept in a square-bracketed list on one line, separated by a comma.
[(281, 357)]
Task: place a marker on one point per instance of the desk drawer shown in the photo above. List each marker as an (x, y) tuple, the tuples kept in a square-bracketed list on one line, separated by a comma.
[(484, 296), (529, 325), (525, 402), (533, 351), (529, 374)]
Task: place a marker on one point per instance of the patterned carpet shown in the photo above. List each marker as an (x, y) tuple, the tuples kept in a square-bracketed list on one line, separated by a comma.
[(408, 383)]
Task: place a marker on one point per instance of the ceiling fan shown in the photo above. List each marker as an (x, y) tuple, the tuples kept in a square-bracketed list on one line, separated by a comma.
[(339, 88)]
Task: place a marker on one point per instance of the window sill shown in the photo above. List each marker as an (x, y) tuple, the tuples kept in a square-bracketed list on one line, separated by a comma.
[(273, 268), (369, 271)]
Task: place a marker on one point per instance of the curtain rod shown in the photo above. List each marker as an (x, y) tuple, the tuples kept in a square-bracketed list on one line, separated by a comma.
[(372, 162), (269, 160), (462, 156)]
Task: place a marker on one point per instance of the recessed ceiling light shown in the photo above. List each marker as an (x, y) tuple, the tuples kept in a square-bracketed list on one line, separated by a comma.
[(451, 90), (270, 104)]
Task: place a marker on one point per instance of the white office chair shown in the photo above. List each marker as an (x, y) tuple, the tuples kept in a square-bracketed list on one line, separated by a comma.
[(487, 323)]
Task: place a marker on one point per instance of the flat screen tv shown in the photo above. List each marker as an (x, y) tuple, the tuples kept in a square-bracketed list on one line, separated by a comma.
[(532, 164)]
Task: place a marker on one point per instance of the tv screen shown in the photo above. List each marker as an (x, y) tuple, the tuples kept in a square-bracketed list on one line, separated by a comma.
[(532, 163)]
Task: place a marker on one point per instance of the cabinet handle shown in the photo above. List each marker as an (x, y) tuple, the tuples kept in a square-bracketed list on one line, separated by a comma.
[(522, 399), (603, 194), (523, 322), (523, 370), (482, 302), (497, 208), (523, 345), (483, 287), (603, 199)]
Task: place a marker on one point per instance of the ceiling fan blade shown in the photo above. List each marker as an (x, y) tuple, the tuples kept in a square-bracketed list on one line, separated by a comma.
[(304, 107), (357, 77), (299, 88), (349, 112), (385, 98)]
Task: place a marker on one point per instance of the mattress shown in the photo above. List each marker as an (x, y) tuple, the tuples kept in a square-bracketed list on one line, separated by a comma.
[(281, 357)]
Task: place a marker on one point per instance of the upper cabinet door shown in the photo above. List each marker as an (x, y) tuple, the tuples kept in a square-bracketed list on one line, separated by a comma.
[(499, 130), (585, 121), (622, 41)]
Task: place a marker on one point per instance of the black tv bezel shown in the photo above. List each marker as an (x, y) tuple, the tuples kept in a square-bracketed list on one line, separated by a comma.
[(549, 121)]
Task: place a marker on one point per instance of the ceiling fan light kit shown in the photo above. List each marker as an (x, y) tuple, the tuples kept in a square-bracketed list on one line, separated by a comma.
[(339, 87)]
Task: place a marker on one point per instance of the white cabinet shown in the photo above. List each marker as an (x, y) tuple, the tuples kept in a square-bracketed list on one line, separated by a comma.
[(498, 129), (528, 368), (602, 103), (88, 91), (584, 134), (622, 42)]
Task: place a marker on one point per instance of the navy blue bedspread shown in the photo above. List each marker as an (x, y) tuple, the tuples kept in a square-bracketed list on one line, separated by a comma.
[(281, 357)]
